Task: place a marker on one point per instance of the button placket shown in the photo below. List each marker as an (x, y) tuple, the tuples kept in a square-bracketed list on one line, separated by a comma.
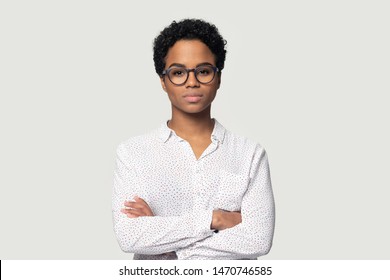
[(197, 185)]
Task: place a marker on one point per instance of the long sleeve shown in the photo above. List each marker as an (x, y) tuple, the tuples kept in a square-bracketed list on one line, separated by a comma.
[(253, 237), (152, 235)]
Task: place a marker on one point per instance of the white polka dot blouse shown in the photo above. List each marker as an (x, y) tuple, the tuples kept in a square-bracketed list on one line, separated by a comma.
[(232, 174)]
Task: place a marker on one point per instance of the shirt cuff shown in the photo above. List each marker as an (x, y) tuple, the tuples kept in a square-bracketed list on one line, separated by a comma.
[(202, 222)]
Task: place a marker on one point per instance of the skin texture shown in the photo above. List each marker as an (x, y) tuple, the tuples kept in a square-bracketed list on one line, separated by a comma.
[(191, 119)]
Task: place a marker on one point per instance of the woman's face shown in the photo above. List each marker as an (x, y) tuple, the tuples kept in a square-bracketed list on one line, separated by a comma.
[(192, 96)]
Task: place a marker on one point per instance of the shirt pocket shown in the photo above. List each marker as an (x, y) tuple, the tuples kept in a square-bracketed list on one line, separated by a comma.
[(231, 190)]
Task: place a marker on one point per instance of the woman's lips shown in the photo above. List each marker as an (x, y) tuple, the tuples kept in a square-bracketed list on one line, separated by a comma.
[(192, 98)]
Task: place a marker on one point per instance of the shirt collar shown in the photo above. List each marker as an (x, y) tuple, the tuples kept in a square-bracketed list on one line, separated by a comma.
[(165, 132), (218, 133)]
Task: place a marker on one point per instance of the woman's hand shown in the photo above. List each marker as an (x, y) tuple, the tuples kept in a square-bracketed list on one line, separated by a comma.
[(224, 219), (137, 208)]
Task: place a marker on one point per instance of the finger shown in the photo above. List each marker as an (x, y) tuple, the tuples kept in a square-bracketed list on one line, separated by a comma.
[(136, 212), (135, 205), (126, 210), (136, 199), (131, 214), (131, 210)]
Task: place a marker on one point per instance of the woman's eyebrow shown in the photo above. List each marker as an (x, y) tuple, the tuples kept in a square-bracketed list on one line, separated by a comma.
[(204, 63), (176, 64), (182, 65)]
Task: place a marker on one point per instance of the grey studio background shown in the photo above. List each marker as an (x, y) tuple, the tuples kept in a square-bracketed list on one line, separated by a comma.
[(309, 80)]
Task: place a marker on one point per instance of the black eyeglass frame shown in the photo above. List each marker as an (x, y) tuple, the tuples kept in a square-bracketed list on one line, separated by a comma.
[(188, 70)]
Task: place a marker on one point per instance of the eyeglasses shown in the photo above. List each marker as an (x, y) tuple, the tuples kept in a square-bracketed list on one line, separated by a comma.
[(179, 75)]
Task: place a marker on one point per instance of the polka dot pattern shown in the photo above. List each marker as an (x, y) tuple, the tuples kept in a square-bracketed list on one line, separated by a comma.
[(232, 174)]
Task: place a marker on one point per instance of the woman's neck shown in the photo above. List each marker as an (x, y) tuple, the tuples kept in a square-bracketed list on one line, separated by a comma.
[(192, 126)]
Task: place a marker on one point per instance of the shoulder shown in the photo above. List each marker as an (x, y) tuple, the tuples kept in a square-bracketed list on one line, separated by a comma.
[(138, 144), (246, 153), (242, 143)]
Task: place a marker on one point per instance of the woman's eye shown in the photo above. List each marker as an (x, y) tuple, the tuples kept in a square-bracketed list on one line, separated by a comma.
[(204, 71), (178, 72)]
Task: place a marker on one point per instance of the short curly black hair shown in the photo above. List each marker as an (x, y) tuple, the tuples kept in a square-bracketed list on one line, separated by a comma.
[(188, 29)]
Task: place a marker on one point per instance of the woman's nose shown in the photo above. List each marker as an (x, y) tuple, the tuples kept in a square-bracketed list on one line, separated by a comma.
[(192, 81)]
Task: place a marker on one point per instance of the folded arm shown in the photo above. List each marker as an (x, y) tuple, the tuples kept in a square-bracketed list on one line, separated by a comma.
[(152, 234), (251, 238)]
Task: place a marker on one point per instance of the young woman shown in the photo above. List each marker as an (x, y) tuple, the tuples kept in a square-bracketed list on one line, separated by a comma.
[(192, 189)]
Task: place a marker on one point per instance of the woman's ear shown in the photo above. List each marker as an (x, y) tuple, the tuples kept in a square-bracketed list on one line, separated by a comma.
[(219, 79), (162, 80)]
